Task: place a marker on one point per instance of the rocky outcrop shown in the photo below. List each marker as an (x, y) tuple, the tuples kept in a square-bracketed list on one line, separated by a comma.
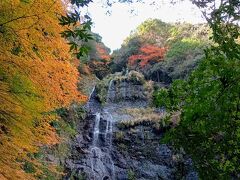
[(126, 90), (104, 150), (140, 151), (130, 86)]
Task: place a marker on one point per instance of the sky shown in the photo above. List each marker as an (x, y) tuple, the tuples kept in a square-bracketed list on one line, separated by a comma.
[(115, 27)]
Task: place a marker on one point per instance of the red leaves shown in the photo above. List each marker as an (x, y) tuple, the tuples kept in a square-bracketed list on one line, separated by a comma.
[(102, 52), (148, 53)]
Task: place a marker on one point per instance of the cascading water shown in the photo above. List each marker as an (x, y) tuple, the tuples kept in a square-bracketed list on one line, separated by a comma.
[(96, 129), (109, 127), (110, 93), (90, 98), (108, 140), (102, 164), (95, 151)]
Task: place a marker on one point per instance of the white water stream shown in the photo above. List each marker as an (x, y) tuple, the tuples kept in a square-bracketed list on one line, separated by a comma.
[(101, 153)]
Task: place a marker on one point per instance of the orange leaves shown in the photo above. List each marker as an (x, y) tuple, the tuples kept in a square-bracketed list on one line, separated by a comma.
[(147, 54), (36, 76), (58, 81), (102, 52)]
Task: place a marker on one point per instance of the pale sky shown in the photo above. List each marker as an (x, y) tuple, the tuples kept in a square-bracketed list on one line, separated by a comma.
[(116, 27)]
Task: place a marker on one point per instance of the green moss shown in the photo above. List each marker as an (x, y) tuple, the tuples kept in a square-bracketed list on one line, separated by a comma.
[(122, 147), (28, 167), (133, 77), (38, 155), (67, 125), (77, 176), (63, 127), (119, 136), (131, 175), (63, 112)]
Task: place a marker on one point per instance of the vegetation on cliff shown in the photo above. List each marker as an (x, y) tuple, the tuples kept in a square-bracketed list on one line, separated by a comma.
[(120, 82), (209, 129)]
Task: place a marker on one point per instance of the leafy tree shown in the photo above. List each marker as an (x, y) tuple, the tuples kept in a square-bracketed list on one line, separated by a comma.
[(36, 76), (82, 32), (130, 47), (149, 54), (209, 99), (154, 31)]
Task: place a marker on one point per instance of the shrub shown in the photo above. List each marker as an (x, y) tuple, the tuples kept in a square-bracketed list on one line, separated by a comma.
[(161, 98), (136, 77), (119, 135)]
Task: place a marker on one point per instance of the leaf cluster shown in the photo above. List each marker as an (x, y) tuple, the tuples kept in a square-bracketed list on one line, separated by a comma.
[(82, 33)]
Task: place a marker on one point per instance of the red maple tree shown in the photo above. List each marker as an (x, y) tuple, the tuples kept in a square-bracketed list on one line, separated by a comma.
[(147, 53)]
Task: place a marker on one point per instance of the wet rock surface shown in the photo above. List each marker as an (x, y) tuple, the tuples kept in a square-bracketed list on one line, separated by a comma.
[(126, 90), (103, 151)]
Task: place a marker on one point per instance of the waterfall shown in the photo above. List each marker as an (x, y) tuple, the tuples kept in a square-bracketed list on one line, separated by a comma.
[(95, 150), (127, 72), (101, 148), (107, 129), (99, 162), (96, 129), (110, 96), (90, 97), (108, 139), (92, 92)]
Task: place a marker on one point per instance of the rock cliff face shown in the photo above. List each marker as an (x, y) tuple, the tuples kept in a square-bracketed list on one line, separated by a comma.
[(126, 90), (104, 149), (131, 86)]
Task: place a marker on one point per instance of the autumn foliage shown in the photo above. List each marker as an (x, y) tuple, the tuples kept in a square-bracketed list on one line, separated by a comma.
[(36, 77), (102, 52), (148, 54)]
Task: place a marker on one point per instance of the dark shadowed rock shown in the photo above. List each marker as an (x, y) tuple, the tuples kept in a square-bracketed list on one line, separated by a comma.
[(103, 151)]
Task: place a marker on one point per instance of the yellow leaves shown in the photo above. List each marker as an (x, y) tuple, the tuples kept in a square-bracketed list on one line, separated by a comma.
[(36, 76)]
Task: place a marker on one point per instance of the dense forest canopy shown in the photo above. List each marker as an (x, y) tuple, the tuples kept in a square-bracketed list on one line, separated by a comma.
[(156, 48), (47, 50)]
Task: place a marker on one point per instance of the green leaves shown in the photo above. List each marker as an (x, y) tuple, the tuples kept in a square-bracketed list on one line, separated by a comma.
[(67, 33), (69, 19), (73, 46), (73, 34), (80, 3), (210, 102), (209, 129), (161, 98), (82, 51)]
